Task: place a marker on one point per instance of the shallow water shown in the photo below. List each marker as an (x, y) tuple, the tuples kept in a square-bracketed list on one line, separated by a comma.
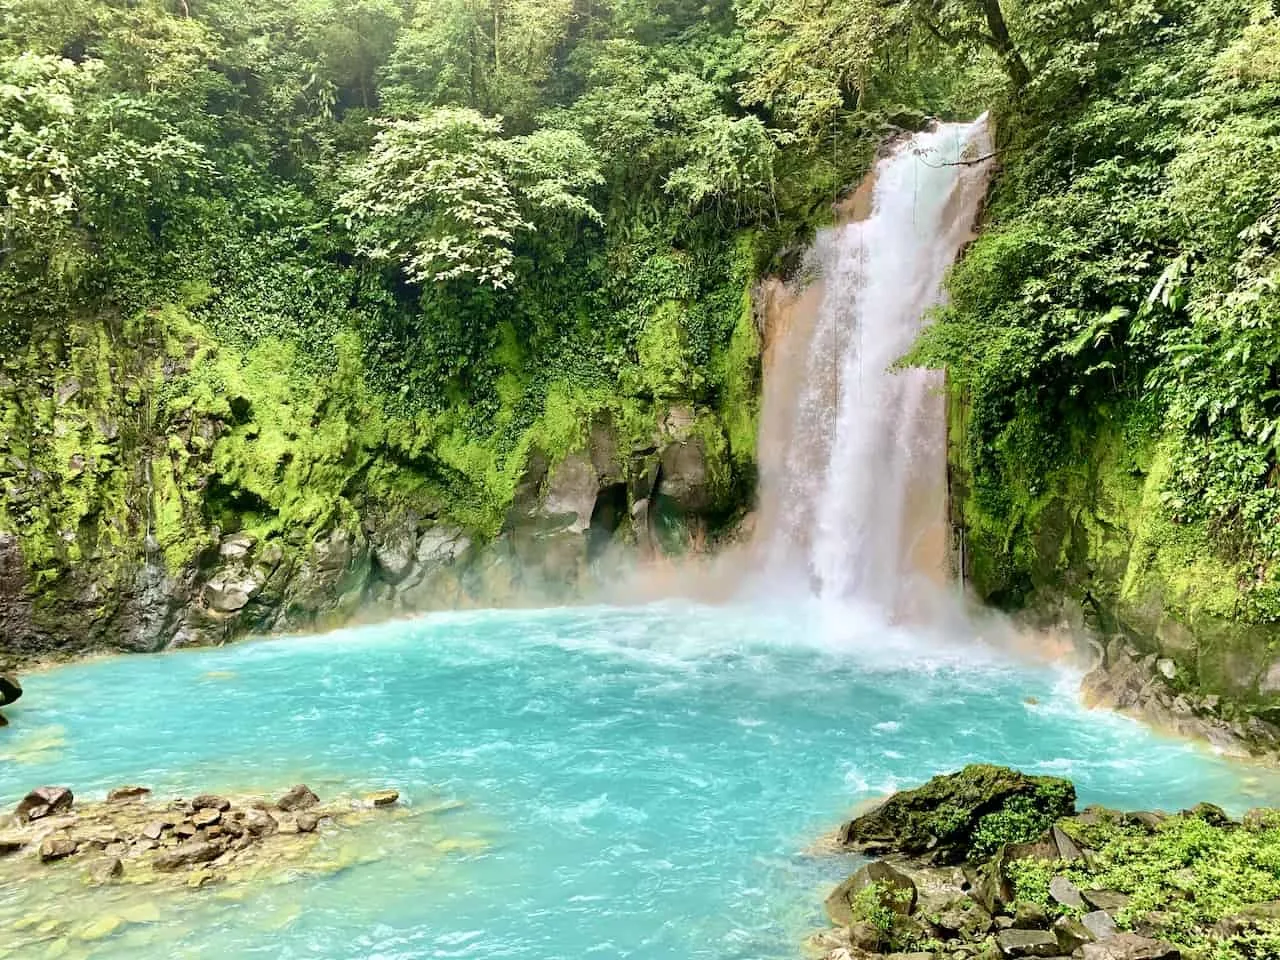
[(633, 782)]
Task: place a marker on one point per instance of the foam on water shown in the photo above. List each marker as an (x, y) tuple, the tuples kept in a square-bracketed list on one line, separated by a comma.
[(637, 782)]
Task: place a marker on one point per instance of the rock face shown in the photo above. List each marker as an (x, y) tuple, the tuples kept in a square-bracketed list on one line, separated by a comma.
[(43, 802), (1125, 680), (140, 535), (913, 822)]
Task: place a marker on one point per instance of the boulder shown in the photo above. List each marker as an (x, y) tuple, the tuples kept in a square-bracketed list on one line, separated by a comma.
[(1100, 924), (1112, 901), (955, 916), (43, 802), (210, 801), (384, 798), (571, 491), (1029, 915), (206, 817), (307, 822), (57, 847), (259, 823), (1066, 893), (126, 794), (154, 829), (299, 797), (1130, 946), (1210, 813), (1068, 849), (194, 851), (1027, 943), (186, 829), (1072, 934), (938, 821), (685, 477), (10, 689), (898, 892)]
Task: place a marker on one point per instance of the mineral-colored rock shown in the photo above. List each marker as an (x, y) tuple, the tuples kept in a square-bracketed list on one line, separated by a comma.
[(298, 798), (42, 802)]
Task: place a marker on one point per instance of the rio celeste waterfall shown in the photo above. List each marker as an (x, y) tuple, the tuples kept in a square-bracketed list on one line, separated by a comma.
[(852, 452), (640, 781)]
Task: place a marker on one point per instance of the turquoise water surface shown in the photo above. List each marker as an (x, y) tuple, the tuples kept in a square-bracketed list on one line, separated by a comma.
[(639, 783)]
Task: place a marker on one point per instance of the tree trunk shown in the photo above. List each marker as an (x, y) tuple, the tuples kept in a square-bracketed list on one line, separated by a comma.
[(1001, 42)]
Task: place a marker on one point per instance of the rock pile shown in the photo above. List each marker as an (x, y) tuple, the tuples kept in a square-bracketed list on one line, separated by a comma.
[(988, 864), (196, 841)]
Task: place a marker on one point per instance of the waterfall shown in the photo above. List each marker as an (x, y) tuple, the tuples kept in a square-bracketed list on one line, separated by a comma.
[(852, 452)]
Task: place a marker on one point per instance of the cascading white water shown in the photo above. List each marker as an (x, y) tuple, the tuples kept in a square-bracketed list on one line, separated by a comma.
[(853, 490)]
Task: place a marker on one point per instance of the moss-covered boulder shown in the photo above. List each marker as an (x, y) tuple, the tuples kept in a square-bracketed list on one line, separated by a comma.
[(962, 817)]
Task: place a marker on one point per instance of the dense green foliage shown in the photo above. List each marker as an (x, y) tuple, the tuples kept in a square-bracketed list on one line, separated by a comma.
[(1123, 299), (1182, 880), (472, 225)]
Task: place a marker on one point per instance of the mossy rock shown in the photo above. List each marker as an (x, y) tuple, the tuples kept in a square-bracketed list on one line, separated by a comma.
[(962, 817)]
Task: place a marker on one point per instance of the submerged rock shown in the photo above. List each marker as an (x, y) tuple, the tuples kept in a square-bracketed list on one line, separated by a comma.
[(946, 821), (384, 798), (299, 797), (57, 848), (194, 851), (43, 802)]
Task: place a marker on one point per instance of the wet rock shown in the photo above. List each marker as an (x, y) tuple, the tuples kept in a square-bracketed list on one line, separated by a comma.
[(206, 817), (186, 829), (1072, 934), (1066, 893), (384, 798), (937, 822), (211, 802), (194, 851), (1210, 813), (42, 802), (1148, 819), (4, 721), (898, 892), (571, 491), (1112, 901), (202, 878), (126, 794), (259, 823), (1100, 924), (299, 797), (10, 689), (101, 928), (1027, 943), (112, 868), (11, 843), (57, 847), (1130, 946), (307, 822)]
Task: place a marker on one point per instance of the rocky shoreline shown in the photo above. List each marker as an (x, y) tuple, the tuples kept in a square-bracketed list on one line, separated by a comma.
[(992, 864), (1155, 690), (207, 839)]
